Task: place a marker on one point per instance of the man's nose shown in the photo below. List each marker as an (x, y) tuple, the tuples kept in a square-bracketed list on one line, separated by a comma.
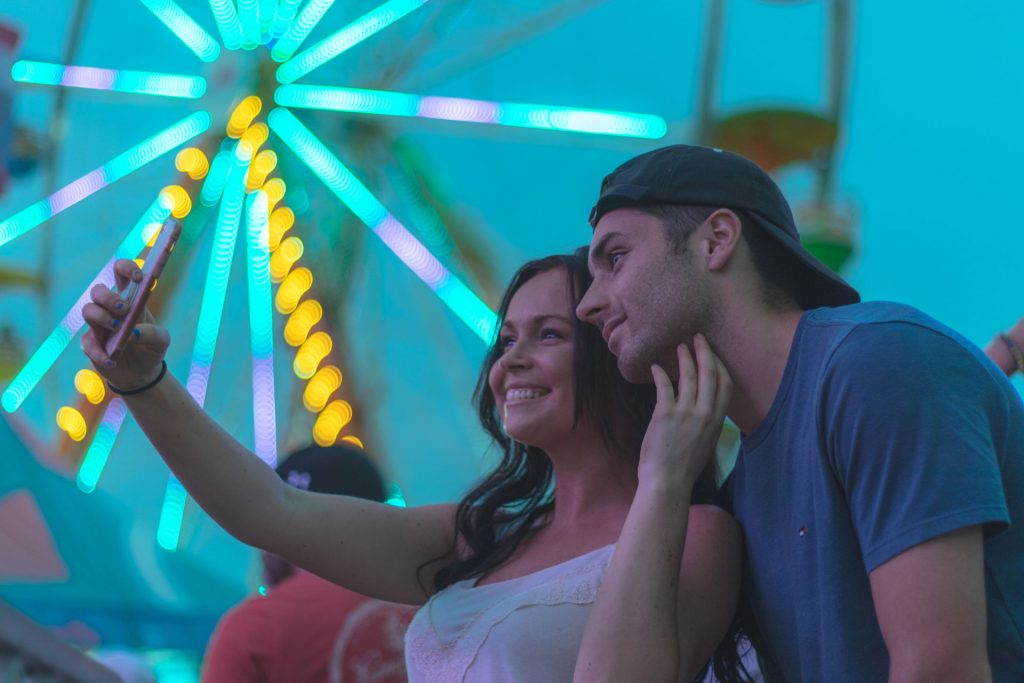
[(590, 305)]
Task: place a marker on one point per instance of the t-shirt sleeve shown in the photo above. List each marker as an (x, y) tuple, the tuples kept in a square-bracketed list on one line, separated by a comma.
[(906, 416), (239, 647)]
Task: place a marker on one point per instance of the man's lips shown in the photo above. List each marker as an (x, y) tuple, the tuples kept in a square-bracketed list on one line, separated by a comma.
[(609, 329)]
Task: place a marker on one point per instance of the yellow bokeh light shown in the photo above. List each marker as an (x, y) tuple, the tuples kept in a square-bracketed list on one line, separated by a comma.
[(275, 189), (284, 257), (281, 221), (256, 135), (301, 321), (192, 161), (140, 262), (292, 288), (181, 202), (90, 384), (353, 440), (72, 422), (318, 391), (262, 165), (331, 421), (311, 353), (242, 116)]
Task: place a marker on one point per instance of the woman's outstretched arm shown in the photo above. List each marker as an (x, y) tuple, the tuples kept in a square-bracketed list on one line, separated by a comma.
[(672, 586), (368, 547)]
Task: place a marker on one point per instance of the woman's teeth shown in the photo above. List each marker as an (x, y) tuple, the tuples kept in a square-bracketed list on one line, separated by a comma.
[(523, 394)]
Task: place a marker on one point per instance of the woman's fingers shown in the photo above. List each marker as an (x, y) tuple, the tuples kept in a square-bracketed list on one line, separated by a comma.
[(662, 386), (99, 317), (724, 392), (687, 389), (94, 350), (126, 270), (152, 337), (111, 301), (707, 376)]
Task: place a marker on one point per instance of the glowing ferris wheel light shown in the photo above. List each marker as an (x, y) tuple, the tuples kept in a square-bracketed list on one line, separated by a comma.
[(297, 31), (185, 27), (261, 327), (212, 306), (227, 23), (46, 355), (540, 116), (117, 80), (282, 25), (128, 161), (346, 187), (369, 24)]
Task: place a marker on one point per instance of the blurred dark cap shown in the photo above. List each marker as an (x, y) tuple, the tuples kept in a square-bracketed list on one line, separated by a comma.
[(704, 176), (341, 470)]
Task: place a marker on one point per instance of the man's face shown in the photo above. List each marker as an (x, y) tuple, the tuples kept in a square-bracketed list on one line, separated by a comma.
[(646, 297)]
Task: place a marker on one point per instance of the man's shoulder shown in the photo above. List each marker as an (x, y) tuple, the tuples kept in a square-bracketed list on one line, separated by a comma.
[(881, 331), (887, 316)]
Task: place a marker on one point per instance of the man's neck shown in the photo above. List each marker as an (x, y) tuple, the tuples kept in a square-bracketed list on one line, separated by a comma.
[(755, 347)]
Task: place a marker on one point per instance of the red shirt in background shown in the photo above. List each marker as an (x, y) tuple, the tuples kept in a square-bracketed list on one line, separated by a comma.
[(308, 629)]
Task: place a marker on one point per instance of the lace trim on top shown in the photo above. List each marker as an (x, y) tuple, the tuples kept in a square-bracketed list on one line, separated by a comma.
[(574, 581)]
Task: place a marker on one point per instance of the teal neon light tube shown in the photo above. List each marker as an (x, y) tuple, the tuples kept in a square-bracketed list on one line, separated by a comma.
[(542, 116), (228, 25), (185, 27), (298, 30), (248, 15), (58, 340), (95, 460), (283, 19), (359, 30), (134, 82), (172, 511), (261, 327), (215, 290), (127, 162), (346, 187)]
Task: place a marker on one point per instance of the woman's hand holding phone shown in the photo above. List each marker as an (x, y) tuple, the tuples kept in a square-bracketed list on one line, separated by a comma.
[(140, 361)]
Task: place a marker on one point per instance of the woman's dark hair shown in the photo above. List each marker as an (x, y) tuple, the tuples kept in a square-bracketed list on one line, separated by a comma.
[(513, 500)]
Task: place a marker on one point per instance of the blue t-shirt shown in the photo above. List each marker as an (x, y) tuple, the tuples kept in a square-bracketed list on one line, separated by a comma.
[(888, 429)]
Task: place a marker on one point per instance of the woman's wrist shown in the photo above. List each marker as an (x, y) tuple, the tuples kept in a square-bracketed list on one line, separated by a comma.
[(138, 387), (670, 485)]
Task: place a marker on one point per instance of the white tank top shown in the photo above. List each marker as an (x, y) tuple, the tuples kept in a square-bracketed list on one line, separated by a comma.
[(523, 629)]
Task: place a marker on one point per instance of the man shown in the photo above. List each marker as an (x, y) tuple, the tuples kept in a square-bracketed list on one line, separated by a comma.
[(880, 484), (306, 628)]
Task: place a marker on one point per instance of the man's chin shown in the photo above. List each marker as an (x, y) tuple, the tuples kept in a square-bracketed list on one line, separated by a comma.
[(634, 370)]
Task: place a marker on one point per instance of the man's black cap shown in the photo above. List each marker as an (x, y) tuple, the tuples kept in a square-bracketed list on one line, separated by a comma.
[(703, 176), (336, 469)]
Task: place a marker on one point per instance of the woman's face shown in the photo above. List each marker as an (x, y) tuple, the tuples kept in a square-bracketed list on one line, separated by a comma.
[(532, 380)]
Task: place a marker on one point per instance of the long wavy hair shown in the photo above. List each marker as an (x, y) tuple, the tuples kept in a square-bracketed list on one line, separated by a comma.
[(515, 498)]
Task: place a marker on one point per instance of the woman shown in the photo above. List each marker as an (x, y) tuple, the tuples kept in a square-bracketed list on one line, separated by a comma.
[(568, 561)]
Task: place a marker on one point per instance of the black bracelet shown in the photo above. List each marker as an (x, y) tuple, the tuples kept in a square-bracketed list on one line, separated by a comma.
[(129, 392), (1018, 356)]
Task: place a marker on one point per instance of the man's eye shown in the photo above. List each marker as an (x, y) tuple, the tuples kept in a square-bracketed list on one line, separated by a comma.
[(615, 257)]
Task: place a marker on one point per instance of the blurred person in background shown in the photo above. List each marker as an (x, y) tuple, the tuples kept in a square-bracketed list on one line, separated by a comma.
[(306, 629), (1007, 349)]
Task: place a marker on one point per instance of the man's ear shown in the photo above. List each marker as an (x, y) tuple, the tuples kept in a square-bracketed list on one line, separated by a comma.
[(722, 232)]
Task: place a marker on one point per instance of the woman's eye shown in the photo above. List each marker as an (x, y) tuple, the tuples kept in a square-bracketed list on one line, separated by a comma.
[(505, 342), (551, 334)]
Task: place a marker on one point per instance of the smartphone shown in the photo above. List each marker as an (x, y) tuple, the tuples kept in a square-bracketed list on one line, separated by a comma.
[(135, 295)]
